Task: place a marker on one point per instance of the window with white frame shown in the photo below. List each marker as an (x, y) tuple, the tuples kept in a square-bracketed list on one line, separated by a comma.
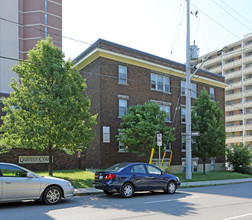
[(167, 110), (160, 83), (194, 90), (122, 107), (122, 74), (183, 114), (182, 87), (212, 94)]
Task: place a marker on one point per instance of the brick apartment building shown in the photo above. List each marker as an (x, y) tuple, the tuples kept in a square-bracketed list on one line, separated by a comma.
[(118, 77)]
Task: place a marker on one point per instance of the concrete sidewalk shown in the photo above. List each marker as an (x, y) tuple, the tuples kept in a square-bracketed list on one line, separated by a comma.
[(90, 191)]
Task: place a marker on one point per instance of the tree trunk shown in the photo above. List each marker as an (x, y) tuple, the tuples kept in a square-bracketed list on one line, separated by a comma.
[(204, 166), (50, 153)]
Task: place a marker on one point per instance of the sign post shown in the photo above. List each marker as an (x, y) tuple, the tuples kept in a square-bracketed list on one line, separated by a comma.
[(159, 144)]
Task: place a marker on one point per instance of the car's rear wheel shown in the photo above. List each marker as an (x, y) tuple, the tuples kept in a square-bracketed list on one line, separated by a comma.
[(171, 187), (52, 195), (108, 193), (127, 190)]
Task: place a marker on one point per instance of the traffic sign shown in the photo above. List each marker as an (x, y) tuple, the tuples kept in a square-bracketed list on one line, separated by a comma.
[(159, 140)]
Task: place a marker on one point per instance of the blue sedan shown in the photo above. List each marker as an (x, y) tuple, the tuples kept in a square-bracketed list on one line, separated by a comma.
[(127, 178)]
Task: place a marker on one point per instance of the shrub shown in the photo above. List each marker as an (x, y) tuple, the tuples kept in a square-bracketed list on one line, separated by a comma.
[(239, 157)]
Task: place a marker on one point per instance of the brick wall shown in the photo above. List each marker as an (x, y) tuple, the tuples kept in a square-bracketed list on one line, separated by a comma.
[(61, 161), (105, 84)]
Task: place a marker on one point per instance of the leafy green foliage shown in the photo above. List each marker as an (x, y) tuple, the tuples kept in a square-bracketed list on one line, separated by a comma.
[(139, 127), (239, 156), (48, 108), (207, 118)]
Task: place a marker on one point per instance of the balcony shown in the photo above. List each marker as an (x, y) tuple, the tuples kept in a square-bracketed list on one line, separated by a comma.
[(248, 116), (233, 75), (247, 59), (234, 139), (234, 96), (215, 60), (248, 127), (232, 54), (234, 107), (234, 128), (247, 70), (247, 93), (232, 65), (247, 82), (234, 85), (234, 118), (217, 70), (247, 104), (247, 48), (248, 138)]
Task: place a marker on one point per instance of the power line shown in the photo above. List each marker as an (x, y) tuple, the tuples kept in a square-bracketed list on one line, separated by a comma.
[(236, 12), (232, 15), (216, 22), (38, 29)]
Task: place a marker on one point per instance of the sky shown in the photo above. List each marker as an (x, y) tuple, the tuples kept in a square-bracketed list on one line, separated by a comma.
[(157, 27)]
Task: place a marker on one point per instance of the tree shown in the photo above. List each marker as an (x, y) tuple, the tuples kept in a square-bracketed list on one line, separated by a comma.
[(48, 108), (207, 118), (239, 156), (139, 127)]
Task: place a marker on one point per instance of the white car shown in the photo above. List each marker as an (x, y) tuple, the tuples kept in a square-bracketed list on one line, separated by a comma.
[(18, 183)]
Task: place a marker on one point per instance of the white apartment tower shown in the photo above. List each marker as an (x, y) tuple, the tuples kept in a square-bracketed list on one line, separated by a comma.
[(234, 62)]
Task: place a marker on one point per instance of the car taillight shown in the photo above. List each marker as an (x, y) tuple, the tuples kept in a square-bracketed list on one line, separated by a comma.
[(95, 176), (110, 176)]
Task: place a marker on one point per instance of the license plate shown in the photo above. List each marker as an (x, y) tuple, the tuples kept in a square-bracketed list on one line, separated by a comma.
[(100, 177)]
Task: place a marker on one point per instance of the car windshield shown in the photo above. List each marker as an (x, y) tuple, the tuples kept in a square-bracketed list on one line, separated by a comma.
[(117, 167)]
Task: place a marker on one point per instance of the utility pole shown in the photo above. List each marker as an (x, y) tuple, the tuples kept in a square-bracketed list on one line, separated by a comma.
[(188, 100)]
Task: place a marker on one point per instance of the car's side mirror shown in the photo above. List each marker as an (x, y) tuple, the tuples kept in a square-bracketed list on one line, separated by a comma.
[(30, 175), (162, 172)]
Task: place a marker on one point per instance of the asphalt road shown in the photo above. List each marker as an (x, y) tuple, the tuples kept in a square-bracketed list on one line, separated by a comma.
[(225, 202)]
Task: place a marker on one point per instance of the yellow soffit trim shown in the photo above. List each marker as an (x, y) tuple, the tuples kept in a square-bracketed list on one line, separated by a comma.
[(98, 52)]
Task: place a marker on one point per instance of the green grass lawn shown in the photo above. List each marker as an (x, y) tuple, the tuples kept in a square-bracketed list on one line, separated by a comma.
[(78, 178), (84, 179), (217, 175)]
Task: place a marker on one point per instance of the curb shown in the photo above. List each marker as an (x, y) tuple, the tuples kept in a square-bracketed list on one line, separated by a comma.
[(92, 191)]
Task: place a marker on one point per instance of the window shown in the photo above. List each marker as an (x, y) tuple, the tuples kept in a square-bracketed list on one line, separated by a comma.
[(241, 122), (230, 71), (153, 170), (160, 83), (45, 18), (231, 102), (122, 148), (249, 42), (249, 53), (183, 115), (45, 5), (45, 32), (212, 94), (122, 107), (182, 87), (194, 91), (230, 113), (138, 169), (11, 171), (230, 124), (230, 60), (183, 143), (122, 74), (166, 109)]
